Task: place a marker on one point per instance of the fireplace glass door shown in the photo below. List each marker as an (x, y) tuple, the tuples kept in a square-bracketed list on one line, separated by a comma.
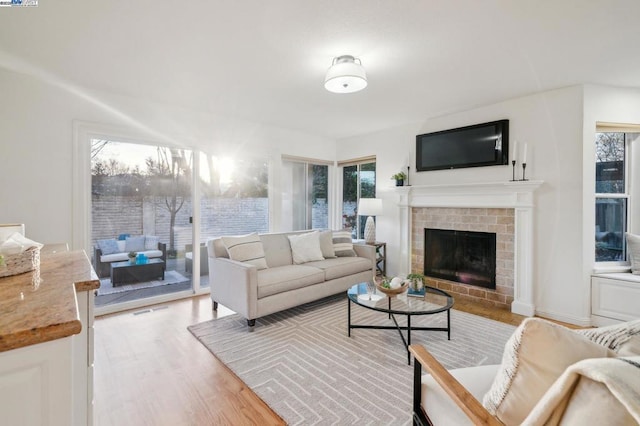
[(461, 256)]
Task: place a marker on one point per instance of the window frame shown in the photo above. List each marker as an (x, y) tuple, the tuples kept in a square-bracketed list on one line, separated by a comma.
[(625, 129), (359, 162)]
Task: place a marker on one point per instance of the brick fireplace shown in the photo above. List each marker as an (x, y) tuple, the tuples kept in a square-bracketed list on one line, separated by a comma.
[(506, 208), (498, 221)]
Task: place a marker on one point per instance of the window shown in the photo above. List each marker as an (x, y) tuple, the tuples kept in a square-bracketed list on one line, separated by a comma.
[(305, 194), (358, 181), (613, 193)]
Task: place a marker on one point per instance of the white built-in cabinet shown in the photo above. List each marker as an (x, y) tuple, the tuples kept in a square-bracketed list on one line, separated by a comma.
[(83, 362), (615, 298), (46, 343)]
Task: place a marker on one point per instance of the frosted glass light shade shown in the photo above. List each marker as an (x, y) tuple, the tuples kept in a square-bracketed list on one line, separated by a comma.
[(345, 75)]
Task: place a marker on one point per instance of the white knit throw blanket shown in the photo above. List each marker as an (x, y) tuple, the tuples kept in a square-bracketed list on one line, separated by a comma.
[(620, 375)]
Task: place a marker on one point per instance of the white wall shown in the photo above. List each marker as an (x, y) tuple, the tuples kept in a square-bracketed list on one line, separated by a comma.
[(551, 124), (36, 138)]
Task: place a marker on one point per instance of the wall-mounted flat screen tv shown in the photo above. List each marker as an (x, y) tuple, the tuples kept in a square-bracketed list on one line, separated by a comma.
[(485, 144)]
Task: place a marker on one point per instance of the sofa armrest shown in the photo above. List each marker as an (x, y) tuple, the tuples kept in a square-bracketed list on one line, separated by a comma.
[(235, 285), (367, 251), (163, 248), (458, 393)]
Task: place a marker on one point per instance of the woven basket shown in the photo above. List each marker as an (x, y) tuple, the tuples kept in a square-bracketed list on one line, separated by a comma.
[(20, 263)]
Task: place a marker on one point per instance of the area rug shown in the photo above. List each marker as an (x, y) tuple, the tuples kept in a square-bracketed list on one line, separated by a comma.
[(304, 366), (170, 277)]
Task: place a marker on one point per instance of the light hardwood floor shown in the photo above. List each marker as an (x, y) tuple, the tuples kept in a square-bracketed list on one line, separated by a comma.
[(149, 370)]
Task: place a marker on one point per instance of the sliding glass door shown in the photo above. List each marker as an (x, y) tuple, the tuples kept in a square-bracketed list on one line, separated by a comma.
[(305, 195), (141, 209)]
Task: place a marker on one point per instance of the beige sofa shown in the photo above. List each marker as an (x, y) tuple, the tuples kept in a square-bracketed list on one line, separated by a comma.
[(254, 293)]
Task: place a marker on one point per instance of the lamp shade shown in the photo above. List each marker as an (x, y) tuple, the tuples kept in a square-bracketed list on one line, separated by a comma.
[(370, 207), (345, 75)]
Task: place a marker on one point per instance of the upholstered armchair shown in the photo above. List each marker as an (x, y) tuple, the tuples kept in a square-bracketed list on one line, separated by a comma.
[(549, 375)]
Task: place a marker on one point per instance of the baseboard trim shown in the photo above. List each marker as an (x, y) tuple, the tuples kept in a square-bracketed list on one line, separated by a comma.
[(521, 308), (581, 322)]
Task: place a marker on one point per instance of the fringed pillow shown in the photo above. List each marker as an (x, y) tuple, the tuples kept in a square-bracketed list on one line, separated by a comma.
[(535, 355)]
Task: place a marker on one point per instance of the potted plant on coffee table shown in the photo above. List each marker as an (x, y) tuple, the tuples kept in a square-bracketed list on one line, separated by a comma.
[(132, 257), (399, 178), (416, 285)]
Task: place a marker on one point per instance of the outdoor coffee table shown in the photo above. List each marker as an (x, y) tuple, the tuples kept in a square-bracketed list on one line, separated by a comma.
[(127, 272), (433, 302)]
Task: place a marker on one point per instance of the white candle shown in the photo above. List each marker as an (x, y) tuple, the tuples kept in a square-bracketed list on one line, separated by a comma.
[(524, 156), (515, 150)]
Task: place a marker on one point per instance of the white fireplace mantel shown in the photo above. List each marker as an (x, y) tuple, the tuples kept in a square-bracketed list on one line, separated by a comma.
[(516, 195)]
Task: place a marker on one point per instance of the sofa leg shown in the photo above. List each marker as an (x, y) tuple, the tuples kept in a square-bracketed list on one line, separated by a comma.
[(215, 305), (251, 323)]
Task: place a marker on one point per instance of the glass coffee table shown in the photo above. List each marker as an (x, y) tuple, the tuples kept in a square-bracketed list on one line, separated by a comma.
[(434, 301)]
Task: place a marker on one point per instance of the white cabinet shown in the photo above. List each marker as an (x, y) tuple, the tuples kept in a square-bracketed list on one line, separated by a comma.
[(83, 362), (36, 384), (615, 298)]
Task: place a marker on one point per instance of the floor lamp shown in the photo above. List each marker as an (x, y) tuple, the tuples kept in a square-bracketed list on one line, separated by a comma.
[(370, 207)]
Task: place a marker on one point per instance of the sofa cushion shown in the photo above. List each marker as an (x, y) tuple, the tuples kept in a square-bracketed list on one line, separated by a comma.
[(246, 248), (341, 266), (151, 242), (122, 256), (108, 246), (438, 404), (535, 355), (326, 244), (342, 244), (277, 248), (284, 278), (134, 244), (305, 247)]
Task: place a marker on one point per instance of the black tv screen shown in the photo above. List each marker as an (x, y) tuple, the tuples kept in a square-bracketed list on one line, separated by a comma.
[(485, 144)]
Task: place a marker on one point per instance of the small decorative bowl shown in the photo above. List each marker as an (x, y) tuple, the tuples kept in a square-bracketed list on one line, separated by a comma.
[(391, 291)]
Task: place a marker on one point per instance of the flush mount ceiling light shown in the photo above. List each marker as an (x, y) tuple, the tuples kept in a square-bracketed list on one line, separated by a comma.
[(346, 75)]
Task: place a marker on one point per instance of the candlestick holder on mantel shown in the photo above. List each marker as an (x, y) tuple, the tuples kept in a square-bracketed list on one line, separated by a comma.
[(524, 169)]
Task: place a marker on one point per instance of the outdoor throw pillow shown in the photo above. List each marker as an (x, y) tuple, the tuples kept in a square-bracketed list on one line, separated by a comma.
[(247, 248), (535, 355), (108, 246), (134, 244), (342, 244), (633, 246), (326, 244), (151, 242), (305, 247)]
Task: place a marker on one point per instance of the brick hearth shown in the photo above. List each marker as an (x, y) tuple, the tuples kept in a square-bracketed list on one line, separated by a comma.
[(498, 220)]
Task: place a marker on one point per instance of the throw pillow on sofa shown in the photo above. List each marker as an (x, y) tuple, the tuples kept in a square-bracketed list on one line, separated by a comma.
[(342, 244), (305, 247), (108, 246), (535, 355), (151, 242), (326, 244), (624, 339), (247, 248), (633, 246), (134, 244)]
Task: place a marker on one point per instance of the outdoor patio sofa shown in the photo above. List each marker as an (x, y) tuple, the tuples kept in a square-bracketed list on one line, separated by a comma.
[(111, 250), (271, 276)]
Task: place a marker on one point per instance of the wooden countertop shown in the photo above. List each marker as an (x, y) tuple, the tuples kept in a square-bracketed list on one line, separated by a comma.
[(40, 306)]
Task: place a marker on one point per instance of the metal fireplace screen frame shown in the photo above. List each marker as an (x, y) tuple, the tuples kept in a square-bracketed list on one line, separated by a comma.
[(467, 257)]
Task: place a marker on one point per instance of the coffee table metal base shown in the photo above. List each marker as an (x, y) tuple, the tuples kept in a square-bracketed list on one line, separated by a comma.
[(398, 327)]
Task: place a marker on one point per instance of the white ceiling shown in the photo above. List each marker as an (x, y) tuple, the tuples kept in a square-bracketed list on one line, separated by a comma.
[(265, 60)]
